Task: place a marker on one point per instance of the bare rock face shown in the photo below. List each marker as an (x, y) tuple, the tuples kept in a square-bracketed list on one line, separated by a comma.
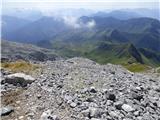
[(19, 79)]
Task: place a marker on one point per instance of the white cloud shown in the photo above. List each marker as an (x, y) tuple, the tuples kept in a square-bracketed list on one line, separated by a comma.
[(75, 23), (91, 24), (71, 21)]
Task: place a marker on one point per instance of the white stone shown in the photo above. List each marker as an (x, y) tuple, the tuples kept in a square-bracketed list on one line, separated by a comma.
[(127, 108)]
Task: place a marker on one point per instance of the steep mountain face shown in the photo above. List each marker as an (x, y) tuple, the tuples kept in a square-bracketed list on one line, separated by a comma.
[(13, 50), (116, 53), (152, 56)]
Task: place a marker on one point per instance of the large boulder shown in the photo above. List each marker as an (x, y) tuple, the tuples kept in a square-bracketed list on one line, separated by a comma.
[(19, 79)]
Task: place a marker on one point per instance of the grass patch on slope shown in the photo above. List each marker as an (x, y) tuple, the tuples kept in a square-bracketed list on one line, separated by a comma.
[(136, 67), (20, 66), (158, 70)]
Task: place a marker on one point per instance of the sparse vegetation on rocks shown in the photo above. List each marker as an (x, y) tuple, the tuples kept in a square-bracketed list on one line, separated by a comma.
[(20, 66)]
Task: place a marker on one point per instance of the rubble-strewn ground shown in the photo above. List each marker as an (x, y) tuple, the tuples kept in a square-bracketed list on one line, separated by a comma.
[(80, 89)]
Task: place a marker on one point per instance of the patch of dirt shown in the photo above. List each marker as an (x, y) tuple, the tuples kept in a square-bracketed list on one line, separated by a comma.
[(12, 98)]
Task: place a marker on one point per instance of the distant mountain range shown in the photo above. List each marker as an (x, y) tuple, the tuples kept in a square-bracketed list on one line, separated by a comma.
[(123, 15), (138, 31), (125, 39), (129, 13), (33, 15)]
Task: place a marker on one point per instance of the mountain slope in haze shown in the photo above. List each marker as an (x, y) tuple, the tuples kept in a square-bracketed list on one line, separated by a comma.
[(13, 50), (139, 31), (42, 29), (135, 25), (123, 41), (27, 14), (119, 14), (152, 13), (124, 14), (10, 24)]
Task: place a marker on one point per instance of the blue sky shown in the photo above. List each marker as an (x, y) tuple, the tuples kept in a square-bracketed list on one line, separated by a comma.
[(86, 4)]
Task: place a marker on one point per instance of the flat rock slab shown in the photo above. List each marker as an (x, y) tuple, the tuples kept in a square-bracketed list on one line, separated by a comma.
[(6, 110), (19, 79)]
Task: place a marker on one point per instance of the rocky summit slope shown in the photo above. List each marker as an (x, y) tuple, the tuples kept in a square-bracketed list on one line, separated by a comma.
[(80, 89), (14, 51)]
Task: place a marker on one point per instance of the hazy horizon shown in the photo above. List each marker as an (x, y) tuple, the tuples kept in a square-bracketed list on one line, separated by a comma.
[(79, 4)]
